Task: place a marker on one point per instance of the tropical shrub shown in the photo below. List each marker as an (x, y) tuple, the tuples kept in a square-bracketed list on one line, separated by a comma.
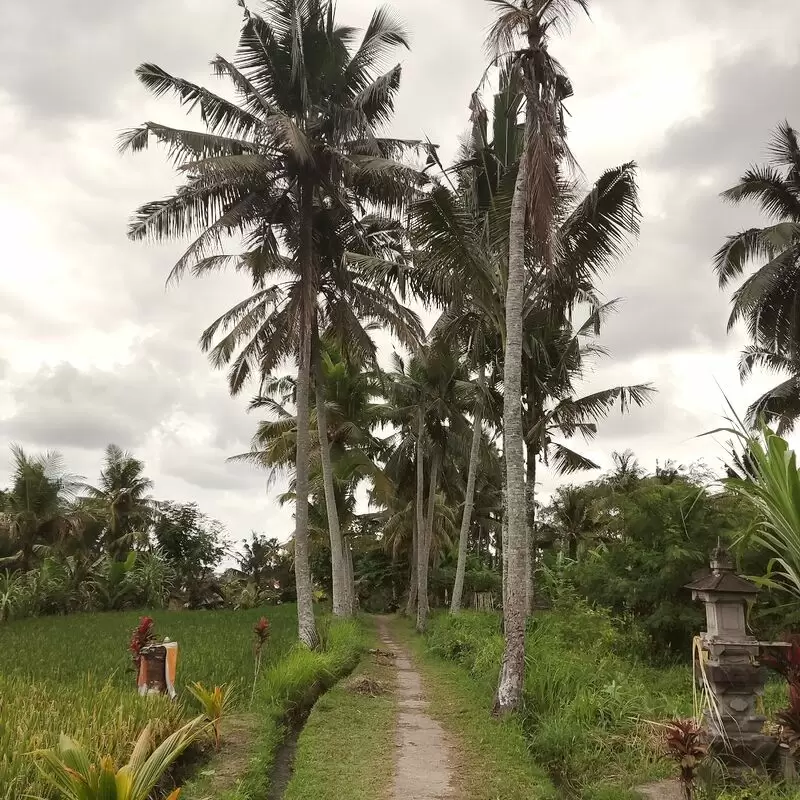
[(69, 770), (686, 744), (216, 703), (769, 481), (649, 540)]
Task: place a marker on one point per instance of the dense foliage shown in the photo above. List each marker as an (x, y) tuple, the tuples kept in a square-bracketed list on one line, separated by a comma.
[(66, 546), (630, 542)]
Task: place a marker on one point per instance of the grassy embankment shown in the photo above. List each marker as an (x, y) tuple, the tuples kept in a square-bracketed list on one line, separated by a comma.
[(347, 746), (284, 692)]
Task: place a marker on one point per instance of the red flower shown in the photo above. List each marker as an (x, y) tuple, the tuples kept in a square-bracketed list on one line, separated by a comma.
[(261, 630), (142, 636)]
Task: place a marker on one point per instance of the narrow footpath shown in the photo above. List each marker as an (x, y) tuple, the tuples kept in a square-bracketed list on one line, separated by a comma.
[(424, 759)]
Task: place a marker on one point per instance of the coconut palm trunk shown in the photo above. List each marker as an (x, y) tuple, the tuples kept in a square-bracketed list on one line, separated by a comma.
[(503, 554), (350, 599), (530, 510), (509, 689), (411, 603), (307, 628), (341, 605), (469, 495), (422, 598), (426, 542)]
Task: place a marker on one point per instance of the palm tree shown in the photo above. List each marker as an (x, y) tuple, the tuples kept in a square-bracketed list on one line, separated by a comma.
[(544, 86), (428, 399), (557, 356), (38, 509), (626, 472), (123, 497), (259, 558), (347, 390), (571, 519), (301, 145), (767, 300)]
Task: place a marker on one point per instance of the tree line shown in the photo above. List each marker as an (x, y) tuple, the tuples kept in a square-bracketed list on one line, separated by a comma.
[(67, 545), (340, 227)]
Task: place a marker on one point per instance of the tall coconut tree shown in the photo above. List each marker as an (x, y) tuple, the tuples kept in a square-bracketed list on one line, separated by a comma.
[(767, 300), (301, 136), (255, 334), (464, 249), (346, 436), (544, 86), (122, 495)]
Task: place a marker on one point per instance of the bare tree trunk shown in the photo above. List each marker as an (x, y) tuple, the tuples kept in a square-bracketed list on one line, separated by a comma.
[(425, 545), (338, 577), (504, 549), (307, 628), (420, 506), (411, 603), (512, 673), (469, 495), (302, 565), (534, 415)]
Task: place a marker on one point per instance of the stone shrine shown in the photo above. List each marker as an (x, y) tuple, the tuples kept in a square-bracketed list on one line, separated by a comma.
[(730, 664)]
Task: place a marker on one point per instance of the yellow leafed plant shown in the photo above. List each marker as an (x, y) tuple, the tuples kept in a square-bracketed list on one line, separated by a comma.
[(215, 704), (69, 770)]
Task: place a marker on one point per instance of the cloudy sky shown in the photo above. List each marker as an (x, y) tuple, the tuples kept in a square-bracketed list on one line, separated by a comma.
[(93, 349)]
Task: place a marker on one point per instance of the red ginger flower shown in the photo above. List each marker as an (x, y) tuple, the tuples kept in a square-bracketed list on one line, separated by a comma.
[(261, 630), (142, 636)]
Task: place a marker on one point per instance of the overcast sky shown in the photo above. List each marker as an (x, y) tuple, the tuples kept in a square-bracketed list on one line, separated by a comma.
[(93, 349)]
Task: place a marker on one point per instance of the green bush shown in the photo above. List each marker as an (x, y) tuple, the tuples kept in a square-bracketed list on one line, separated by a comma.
[(464, 638)]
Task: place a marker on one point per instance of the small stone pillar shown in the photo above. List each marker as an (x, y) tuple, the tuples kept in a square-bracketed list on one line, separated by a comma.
[(730, 663)]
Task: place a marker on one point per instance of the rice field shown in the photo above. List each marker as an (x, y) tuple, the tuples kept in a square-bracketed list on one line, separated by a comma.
[(74, 675)]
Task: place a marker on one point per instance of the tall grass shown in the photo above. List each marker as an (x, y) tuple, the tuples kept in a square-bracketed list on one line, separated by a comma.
[(73, 675), (584, 703)]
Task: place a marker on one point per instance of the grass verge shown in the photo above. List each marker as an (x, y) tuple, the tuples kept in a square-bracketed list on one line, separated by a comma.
[(493, 758), (347, 746), (587, 706), (285, 690)]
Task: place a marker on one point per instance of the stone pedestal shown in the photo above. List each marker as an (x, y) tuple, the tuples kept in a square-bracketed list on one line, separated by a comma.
[(736, 682)]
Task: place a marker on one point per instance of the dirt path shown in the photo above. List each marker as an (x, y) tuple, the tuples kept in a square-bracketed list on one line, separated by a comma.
[(423, 758)]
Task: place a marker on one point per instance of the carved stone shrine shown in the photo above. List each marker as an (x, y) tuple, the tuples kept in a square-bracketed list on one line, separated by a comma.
[(729, 658)]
